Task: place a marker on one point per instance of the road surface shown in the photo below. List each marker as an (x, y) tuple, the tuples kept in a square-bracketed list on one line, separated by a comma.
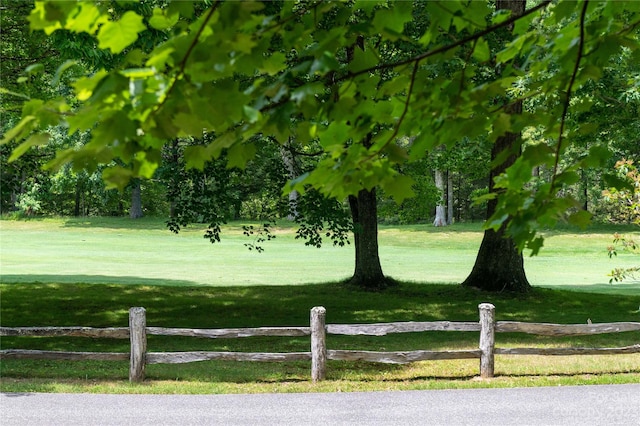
[(570, 405)]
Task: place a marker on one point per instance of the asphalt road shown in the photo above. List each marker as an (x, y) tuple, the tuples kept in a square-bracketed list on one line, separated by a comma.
[(570, 405)]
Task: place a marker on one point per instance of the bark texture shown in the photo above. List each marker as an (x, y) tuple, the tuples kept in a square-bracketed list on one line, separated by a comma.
[(441, 213), (499, 266), (136, 201), (364, 213)]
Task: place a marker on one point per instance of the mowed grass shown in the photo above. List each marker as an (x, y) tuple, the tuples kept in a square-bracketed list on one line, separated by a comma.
[(71, 273), (119, 250)]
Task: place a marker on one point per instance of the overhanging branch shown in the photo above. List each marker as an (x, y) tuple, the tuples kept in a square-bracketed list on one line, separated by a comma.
[(447, 47), (565, 108)]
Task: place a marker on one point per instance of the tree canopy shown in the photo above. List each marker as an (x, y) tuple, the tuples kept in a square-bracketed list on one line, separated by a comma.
[(357, 78)]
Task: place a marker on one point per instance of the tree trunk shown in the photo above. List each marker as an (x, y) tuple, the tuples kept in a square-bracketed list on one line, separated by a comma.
[(76, 207), (499, 266), (449, 198), (368, 270), (585, 189), (290, 164), (441, 213), (136, 201)]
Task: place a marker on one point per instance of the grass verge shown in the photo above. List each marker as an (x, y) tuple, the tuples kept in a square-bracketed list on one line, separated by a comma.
[(38, 304)]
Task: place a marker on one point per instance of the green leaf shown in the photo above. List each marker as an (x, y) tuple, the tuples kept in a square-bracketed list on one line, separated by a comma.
[(500, 16), (580, 218), (161, 20), (567, 177), (481, 51), (363, 59), (183, 7), (34, 69), (16, 94), (40, 19), (136, 73), (86, 85), (196, 156), (239, 154), (501, 125), (399, 187), (144, 166), (395, 18), (189, 124), (87, 20), (34, 140), (535, 245), (252, 114), (61, 69), (274, 63), (117, 36), (117, 177), (336, 134), (24, 126), (617, 182), (598, 156), (477, 201)]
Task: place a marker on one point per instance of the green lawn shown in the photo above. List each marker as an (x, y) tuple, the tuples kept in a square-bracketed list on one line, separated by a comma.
[(118, 250), (57, 272)]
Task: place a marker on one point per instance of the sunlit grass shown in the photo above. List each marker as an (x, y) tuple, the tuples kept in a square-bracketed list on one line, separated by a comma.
[(119, 250), (88, 272)]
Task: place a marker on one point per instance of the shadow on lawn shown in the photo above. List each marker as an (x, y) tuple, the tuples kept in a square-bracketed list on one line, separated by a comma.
[(57, 303)]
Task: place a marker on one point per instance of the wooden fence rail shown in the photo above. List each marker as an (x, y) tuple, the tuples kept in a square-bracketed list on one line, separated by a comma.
[(138, 331)]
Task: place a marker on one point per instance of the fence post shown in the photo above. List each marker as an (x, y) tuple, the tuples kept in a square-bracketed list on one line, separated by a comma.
[(138, 338), (318, 343), (487, 339)]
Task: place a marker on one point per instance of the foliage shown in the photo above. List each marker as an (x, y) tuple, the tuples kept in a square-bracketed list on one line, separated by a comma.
[(625, 199), (28, 203), (320, 217), (628, 201), (627, 245), (338, 74)]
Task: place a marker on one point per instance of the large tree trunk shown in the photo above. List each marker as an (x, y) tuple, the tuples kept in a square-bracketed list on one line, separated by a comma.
[(368, 270), (499, 266)]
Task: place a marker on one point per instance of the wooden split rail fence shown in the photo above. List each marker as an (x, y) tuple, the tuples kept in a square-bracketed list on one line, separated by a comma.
[(138, 331)]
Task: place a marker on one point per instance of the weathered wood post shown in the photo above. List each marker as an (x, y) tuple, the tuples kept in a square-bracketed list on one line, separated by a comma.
[(318, 343), (138, 338), (487, 339)]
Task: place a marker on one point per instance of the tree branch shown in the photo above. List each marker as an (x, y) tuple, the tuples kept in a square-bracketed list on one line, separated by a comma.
[(565, 109), (406, 107), (183, 62), (448, 47)]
